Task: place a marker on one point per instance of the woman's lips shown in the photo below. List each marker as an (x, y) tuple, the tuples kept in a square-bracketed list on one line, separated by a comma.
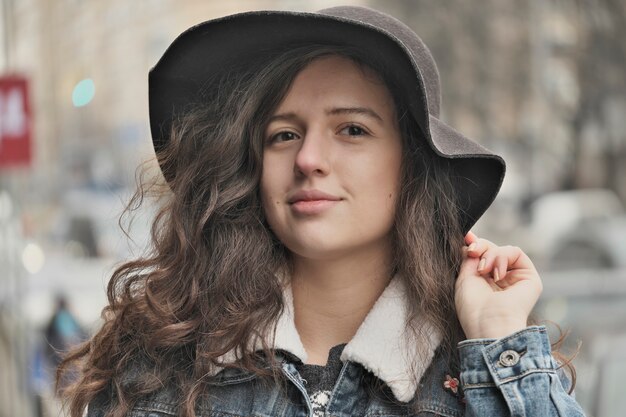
[(309, 202), (310, 207)]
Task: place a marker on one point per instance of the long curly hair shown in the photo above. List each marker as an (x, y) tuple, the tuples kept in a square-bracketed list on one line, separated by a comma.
[(210, 281)]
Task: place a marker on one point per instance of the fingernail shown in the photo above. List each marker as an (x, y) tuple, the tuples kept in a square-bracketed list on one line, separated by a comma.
[(481, 264), (472, 246), (496, 275)]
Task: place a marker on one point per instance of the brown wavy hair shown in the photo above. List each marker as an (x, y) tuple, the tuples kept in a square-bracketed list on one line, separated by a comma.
[(208, 284)]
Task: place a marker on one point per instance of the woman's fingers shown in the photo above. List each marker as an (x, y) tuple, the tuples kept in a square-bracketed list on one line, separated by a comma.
[(470, 237), (500, 268), (478, 247), (496, 261)]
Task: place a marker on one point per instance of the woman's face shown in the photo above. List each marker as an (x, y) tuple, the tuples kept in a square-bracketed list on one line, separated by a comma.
[(331, 162)]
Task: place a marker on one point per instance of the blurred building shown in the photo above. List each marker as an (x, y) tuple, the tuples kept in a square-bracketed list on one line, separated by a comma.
[(540, 82)]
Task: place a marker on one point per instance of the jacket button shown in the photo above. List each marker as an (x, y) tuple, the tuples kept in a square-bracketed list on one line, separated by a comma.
[(508, 358)]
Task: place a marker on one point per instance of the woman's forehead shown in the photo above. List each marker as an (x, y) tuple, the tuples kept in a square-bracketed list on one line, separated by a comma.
[(338, 82)]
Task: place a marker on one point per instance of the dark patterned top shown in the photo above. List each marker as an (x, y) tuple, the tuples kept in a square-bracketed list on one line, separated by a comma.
[(320, 379)]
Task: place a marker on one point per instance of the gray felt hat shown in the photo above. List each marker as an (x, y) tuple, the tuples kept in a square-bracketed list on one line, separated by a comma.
[(203, 52)]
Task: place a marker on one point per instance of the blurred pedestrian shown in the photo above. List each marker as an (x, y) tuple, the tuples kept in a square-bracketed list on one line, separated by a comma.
[(62, 332), (314, 254)]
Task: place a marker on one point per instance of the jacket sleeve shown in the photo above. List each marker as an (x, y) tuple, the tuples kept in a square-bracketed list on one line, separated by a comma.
[(514, 376)]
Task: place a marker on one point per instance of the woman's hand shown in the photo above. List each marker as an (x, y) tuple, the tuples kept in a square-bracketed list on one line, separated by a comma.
[(496, 289)]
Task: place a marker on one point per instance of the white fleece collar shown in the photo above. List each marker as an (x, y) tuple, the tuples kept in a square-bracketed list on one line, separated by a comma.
[(380, 344)]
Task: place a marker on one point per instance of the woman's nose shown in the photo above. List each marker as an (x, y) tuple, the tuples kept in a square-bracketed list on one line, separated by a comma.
[(313, 156)]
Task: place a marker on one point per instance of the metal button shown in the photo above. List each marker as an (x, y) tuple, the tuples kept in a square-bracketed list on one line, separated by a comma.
[(509, 358)]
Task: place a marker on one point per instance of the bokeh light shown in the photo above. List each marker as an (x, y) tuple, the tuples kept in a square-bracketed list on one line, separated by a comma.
[(83, 92), (33, 258)]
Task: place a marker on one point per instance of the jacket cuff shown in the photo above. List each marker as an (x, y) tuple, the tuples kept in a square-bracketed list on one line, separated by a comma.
[(493, 362)]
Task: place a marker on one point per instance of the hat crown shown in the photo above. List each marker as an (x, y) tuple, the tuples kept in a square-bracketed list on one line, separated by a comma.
[(407, 39)]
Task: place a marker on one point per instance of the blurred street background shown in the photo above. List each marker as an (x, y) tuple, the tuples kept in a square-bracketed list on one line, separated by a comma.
[(541, 82)]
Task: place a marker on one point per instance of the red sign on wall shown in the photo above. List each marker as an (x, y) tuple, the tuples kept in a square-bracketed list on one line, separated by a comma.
[(15, 122)]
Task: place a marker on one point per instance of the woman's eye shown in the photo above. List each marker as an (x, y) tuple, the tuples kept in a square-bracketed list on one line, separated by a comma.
[(283, 137), (354, 130)]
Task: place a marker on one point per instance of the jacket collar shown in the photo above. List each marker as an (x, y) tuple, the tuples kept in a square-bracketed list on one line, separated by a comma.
[(381, 344)]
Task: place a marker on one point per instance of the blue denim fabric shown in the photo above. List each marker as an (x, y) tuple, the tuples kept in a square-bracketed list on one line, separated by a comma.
[(491, 388), (527, 386)]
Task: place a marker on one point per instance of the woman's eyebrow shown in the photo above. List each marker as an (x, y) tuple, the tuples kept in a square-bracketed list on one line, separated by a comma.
[(354, 110), (283, 116), (290, 116)]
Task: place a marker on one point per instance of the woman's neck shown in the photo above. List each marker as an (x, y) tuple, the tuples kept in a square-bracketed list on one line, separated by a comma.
[(332, 298)]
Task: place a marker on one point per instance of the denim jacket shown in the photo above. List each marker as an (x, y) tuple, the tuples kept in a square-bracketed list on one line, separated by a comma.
[(512, 376)]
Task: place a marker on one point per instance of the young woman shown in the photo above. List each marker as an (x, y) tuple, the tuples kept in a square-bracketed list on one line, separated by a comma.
[(313, 253)]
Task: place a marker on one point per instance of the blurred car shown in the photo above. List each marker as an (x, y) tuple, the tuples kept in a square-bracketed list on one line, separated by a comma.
[(583, 228), (592, 243), (89, 223)]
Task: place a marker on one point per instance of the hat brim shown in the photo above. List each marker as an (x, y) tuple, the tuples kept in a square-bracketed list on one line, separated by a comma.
[(233, 43), (478, 173)]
